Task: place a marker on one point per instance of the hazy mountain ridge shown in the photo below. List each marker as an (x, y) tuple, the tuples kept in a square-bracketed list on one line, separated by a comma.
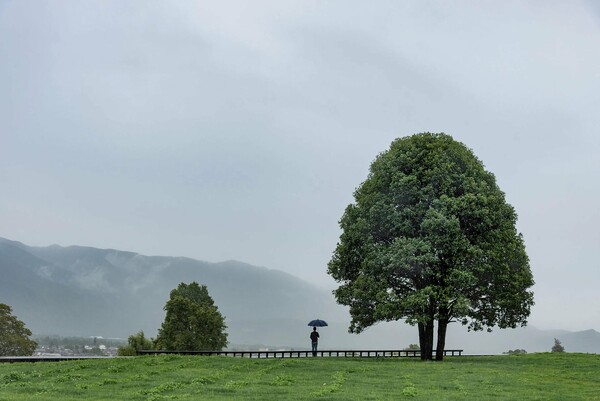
[(88, 291), (115, 293)]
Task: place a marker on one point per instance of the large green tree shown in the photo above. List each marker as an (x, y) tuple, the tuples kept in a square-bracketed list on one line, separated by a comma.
[(192, 322), (14, 336), (429, 238)]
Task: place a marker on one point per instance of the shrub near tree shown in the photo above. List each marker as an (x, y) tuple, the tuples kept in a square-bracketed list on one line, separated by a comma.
[(192, 322), (515, 352), (135, 343), (14, 336), (430, 238)]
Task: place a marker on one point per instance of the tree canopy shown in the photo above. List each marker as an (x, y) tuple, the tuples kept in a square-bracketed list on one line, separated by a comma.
[(192, 321), (14, 336), (135, 343), (431, 237), (558, 347)]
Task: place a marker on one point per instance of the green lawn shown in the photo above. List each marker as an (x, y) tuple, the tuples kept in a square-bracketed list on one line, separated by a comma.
[(522, 377)]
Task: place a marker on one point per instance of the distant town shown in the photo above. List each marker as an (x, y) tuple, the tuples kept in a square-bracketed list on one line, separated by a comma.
[(77, 346)]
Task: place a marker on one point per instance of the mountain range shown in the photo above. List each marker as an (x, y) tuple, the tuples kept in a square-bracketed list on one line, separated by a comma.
[(84, 291)]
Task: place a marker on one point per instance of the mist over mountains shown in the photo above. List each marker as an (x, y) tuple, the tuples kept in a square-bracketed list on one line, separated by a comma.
[(87, 291), (84, 291)]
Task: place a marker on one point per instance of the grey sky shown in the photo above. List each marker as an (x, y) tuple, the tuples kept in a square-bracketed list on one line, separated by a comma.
[(239, 130)]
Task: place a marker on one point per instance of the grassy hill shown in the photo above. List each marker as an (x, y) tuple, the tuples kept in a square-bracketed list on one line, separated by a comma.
[(525, 377)]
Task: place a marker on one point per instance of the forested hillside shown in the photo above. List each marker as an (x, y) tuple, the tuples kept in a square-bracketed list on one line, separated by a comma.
[(87, 291)]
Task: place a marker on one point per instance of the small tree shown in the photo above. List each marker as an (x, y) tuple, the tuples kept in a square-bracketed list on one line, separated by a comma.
[(14, 336), (192, 322), (135, 343), (557, 347)]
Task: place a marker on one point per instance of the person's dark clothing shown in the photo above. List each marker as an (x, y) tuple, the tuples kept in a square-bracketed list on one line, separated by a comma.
[(314, 337)]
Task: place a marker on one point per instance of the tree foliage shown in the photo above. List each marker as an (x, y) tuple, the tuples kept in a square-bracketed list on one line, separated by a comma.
[(558, 347), (136, 342), (192, 321), (14, 336), (431, 237), (515, 351)]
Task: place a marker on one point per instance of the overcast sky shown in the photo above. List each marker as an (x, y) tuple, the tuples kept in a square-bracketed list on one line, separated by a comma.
[(239, 130)]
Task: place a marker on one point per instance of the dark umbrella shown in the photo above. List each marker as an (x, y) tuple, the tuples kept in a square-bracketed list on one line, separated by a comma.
[(318, 323)]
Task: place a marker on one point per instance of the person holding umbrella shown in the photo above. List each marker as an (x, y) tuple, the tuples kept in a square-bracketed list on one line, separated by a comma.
[(314, 335)]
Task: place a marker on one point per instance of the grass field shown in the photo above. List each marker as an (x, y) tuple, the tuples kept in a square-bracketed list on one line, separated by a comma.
[(522, 377)]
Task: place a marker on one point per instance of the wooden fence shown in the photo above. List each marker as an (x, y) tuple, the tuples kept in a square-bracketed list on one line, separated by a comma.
[(306, 354), (248, 354)]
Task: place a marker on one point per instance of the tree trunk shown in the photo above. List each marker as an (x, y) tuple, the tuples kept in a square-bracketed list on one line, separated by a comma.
[(441, 339), (426, 340)]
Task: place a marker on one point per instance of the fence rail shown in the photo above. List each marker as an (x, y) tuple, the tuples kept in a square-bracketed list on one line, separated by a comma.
[(306, 354), (46, 358), (248, 354)]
